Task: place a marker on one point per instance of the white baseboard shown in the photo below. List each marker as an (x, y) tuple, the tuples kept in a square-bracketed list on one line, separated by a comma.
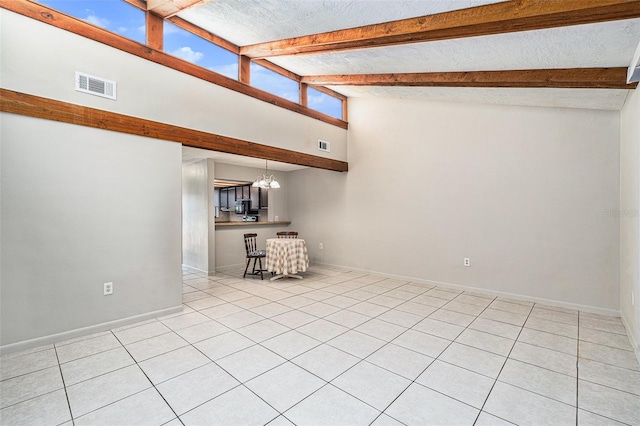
[(79, 332), (632, 338), (551, 302), (229, 267), (196, 271)]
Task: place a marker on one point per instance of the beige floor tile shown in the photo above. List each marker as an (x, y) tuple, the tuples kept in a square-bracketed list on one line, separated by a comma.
[(485, 341), (456, 318), (609, 375), (419, 405), (223, 345), (609, 355), (549, 341), (187, 391), (290, 344), (381, 329), (326, 361), (523, 407), (171, 364), (553, 327), (101, 391), (539, 380), (27, 386), (473, 359), (614, 404), (331, 406), (146, 407), (456, 382), (322, 330), (27, 363), (545, 358), (262, 330), (439, 328), (424, 343), (357, 344), (251, 362), (239, 406), (95, 365), (87, 347), (285, 386), (374, 385), (48, 409), (158, 345), (202, 331), (497, 328), (405, 362)]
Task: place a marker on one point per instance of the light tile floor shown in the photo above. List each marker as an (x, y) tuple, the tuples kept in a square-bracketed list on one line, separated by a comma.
[(335, 348)]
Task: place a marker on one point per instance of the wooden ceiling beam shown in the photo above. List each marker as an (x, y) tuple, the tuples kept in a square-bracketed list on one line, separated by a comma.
[(49, 109), (497, 18), (581, 78), (168, 8)]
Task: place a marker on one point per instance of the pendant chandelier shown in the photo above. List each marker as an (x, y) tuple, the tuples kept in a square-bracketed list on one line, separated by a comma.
[(266, 181)]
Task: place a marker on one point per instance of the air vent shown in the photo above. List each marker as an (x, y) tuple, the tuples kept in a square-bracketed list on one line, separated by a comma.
[(95, 85), (324, 145)]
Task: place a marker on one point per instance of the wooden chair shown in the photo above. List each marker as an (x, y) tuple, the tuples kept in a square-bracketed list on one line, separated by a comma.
[(250, 246), (285, 234)]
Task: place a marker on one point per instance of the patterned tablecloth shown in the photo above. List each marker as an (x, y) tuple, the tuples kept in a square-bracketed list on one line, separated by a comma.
[(287, 256)]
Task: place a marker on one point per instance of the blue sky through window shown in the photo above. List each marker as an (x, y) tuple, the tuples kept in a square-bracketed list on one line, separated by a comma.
[(128, 21), (116, 16), (324, 103), (199, 51)]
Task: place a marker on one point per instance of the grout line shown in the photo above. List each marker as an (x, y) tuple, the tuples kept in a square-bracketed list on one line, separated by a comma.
[(578, 371), (64, 385)]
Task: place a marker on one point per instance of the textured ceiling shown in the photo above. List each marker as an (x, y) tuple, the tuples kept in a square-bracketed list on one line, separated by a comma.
[(609, 44), (255, 21)]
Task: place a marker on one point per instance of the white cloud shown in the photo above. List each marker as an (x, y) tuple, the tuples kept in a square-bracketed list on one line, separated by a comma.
[(188, 54), (229, 70), (274, 83), (142, 29), (316, 100), (122, 29), (97, 21)]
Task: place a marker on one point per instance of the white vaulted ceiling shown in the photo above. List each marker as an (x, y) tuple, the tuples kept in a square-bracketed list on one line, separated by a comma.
[(600, 45)]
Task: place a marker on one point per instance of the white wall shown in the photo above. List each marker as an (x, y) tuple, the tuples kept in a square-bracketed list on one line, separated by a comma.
[(524, 192), (198, 240), (81, 207), (629, 211), (55, 269), (40, 59)]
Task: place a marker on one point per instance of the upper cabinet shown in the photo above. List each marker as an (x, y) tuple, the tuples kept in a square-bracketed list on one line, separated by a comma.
[(227, 197)]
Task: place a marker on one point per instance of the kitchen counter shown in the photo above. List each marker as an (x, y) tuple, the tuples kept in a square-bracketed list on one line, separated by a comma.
[(226, 224)]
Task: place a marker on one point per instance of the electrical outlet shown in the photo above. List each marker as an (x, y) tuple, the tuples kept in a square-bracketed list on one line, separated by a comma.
[(467, 261), (108, 289), (321, 246)]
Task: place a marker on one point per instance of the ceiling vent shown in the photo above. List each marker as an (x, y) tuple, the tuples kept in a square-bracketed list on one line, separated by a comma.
[(324, 146), (95, 85)]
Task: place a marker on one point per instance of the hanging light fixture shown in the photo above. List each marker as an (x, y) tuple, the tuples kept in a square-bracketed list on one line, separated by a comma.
[(266, 181)]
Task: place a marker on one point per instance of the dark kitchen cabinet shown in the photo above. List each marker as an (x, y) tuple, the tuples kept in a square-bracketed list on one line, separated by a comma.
[(242, 192), (264, 198), (224, 205), (254, 194)]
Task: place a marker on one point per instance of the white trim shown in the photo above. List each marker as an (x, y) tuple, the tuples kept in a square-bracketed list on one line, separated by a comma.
[(551, 302), (79, 332), (632, 338), (193, 270), (227, 267)]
